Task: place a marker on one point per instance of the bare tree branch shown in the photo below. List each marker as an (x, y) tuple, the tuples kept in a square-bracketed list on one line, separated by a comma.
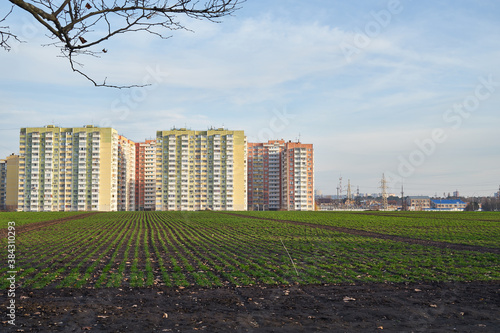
[(5, 33), (79, 25)]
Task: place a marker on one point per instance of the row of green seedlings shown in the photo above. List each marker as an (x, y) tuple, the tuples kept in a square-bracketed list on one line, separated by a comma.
[(339, 270), (316, 265), (213, 254), (457, 230), (444, 217), (176, 252), (236, 269), (42, 249), (22, 218), (381, 260), (31, 245), (40, 255), (85, 271), (180, 257), (487, 258), (149, 279), (80, 264), (196, 254), (140, 237), (116, 277), (268, 260), (84, 266), (356, 268), (259, 263)]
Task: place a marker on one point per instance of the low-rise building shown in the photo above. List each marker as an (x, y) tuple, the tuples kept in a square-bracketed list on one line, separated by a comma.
[(326, 204), (420, 202), (442, 204)]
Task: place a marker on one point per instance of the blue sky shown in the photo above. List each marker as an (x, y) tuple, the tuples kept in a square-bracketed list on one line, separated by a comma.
[(406, 88)]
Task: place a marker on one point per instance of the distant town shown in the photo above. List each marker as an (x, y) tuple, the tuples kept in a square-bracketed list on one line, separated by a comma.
[(393, 202), (95, 169)]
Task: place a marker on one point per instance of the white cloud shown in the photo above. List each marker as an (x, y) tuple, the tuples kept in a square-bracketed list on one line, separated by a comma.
[(360, 115)]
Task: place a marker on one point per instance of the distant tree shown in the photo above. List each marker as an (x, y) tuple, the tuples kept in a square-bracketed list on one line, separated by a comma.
[(471, 206), (79, 26), (491, 205)]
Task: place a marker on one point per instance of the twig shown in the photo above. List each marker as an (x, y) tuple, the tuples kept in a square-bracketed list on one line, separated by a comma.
[(289, 257)]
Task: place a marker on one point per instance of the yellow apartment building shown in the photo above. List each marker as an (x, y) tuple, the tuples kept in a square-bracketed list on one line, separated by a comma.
[(198, 170), (12, 182), (68, 169), (9, 171)]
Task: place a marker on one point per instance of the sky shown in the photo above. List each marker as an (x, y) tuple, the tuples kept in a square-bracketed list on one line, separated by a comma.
[(405, 89)]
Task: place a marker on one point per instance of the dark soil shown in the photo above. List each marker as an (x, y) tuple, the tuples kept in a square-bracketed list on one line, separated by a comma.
[(357, 232), (423, 307)]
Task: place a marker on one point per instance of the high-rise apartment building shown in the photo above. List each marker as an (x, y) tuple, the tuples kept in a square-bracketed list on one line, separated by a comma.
[(95, 169), (145, 175), (199, 170), (126, 174), (3, 184), (9, 173), (297, 176), (68, 169), (280, 176), (264, 175)]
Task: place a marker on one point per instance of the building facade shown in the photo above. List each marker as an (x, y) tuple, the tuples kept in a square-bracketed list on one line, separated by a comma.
[(326, 204), (280, 176), (264, 175), (418, 203), (198, 170), (145, 175), (297, 176), (126, 174), (68, 169), (95, 169), (9, 181), (3, 184), (447, 204)]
